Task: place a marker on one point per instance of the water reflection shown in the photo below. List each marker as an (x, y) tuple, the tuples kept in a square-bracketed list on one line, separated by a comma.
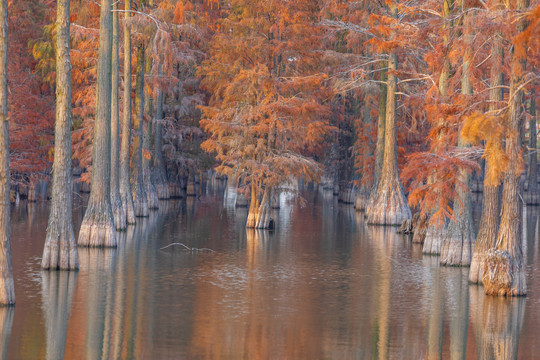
[(6, 323), (57, 293), (323, 284)]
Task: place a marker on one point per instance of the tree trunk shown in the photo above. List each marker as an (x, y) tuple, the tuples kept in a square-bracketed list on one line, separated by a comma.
[(362, 193), (532, 197), (259, 210), (7, 291), (379, 148), (125, 183), (97, 228), (434, 237), (388, 205), (159, 169), (140, 197), (60, 250), (487, 231), (460, 235), (151, 193), (119, 213), (504, 268)]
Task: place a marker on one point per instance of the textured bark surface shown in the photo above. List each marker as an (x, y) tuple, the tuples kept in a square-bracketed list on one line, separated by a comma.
[(151, 193), (504, 268), (487, 230), (140, 198), (361, 198), (387, 204), (420, 229), (119, 213), (532, 197), (259, 210), (97, 228), (381, 121), (60, 250), (7, 291), (125, 183), (434, 237), (159, 173)]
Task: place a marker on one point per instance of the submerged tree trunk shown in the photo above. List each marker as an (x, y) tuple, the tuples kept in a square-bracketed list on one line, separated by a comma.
[(259, 210), (140, 197), (60, 250), (434, 237), (487, 231), (161, 180), (119, 213), (97, 228), (459, 238), (7, 291), (151, 193), (387, 204), (125, 184)]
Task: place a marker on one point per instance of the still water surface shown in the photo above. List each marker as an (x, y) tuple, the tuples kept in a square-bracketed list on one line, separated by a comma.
[(323, 285)]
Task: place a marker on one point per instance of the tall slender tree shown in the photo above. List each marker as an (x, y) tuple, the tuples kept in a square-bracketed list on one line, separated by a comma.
[(118, 210), (159, 168), (97, 228), (7, 291), (125, 150), (60, 250), (388, 204)]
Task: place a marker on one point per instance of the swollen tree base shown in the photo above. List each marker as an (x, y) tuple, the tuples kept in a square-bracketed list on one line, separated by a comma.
[(433, 239), (129, 206), (388, 205), (97, 228), (140, 201), (60, 251), (504, 274), (151, 193), (456, 246), (119, 214), (259, 212)]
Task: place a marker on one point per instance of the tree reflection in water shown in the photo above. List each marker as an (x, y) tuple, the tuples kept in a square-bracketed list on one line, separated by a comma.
[(6, 323)]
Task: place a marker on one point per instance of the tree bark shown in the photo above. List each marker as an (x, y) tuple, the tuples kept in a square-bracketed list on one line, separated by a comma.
[(151, 193), (387, 204), (159, 169), (259, 210), (97, 228), (125, 183), (460, 235), (140, 197), (532, 197), (60, 250), (488, 227), (381, 124), (119, 213), (7, 291)]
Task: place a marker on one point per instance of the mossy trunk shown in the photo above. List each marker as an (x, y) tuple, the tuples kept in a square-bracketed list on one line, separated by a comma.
[(487, 230), (125, 183), (387, 204), (504, 268), (160, 177), (259, 210), (119, 214), (7, 291), (140, 197), (97, 228), (60, 250)]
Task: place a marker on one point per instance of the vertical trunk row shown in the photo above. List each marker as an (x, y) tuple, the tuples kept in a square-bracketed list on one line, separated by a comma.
[(125, 184), (7, 291), (388, 205), (97, 228), (147, 148), (140, 197), (487, 230), (504, 268), (159, 169), (460, 235), (60, 250), (119, 213)]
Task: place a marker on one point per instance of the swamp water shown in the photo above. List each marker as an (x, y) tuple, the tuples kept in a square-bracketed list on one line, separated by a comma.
[(323, 285)]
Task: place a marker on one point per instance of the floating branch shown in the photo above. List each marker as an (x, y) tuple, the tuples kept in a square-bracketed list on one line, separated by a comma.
[(187, 248)]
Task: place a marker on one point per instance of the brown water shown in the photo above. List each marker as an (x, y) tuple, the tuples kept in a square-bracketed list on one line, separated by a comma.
[(323, 285)]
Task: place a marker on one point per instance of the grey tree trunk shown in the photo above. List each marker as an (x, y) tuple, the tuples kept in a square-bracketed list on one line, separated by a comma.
[(487, 230), (381, 124), (97, 228), (7, 291), (125, 183), (60, 250), (119, 213), (140, 197), (532, 197), (159, 169), (387, 204), (460, 234), (504, 268), (151, 193)]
